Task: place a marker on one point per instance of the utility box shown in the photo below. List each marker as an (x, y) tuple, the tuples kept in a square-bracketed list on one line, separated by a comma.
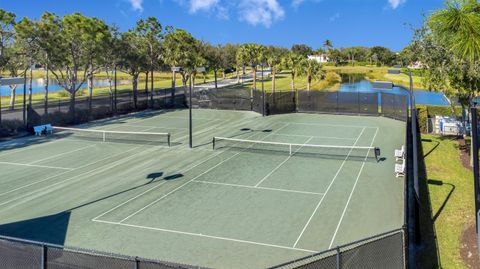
[(445, 125)]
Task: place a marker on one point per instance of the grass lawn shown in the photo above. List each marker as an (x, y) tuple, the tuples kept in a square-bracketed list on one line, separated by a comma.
[(451, 197)]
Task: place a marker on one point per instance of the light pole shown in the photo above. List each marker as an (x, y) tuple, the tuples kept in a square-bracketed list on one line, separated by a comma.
[(263, 92), (190, 124), (414, 126)]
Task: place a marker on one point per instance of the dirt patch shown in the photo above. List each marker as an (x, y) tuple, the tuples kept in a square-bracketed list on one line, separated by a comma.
[(464, 147), (469, 247)]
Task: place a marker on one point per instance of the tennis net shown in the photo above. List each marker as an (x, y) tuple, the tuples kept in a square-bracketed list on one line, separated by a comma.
[(148, 138), (292, 149)]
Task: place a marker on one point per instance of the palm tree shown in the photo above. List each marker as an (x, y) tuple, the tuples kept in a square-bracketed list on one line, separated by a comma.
[(312, 70), (292, 61), (273, 58), (241, 58), (458, 27), (327, 44)]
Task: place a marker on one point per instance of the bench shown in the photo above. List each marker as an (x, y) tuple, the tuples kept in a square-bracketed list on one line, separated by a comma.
[(400, 153), (48, 128), (400, 169), (38, 129)]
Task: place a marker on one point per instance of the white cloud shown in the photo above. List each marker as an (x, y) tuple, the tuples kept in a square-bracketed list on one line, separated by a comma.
[(263, 12), (137, 5), (203, 5), (396, 3), (334, 17), (254, 12), (297, 3)]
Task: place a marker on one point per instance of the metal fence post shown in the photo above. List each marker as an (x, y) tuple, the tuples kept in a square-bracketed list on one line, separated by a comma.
[(339, 261), (476, 175), (44, 257), (137, 263)]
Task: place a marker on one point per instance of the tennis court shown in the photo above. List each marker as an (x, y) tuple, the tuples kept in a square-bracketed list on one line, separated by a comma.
[(265, 194)]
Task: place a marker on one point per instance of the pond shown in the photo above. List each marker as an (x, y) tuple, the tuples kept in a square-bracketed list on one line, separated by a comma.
[(357, 83), (38, 86)]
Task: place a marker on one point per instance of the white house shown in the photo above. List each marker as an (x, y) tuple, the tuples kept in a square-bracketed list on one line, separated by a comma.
[(322, 58), (416, 65)]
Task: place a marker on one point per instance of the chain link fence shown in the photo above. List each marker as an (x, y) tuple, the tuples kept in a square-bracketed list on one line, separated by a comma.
[(98, 107), (378, 252), (24, 254)]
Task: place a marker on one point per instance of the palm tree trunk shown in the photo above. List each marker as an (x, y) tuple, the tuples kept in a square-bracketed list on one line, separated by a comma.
[(254, 78), (134, 89), (90, 90), (151, 87), (13, 94), (309, 82), (273, 80), (293, 83), (146, 84), (238, 75), (72, 102), (215, 75), (30, 90), (174, 77), (45, 105)]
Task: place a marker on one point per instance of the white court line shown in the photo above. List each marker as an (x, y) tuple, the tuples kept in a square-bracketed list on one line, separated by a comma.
[(80, 167), (206, 236), (91, 172), (184, 184), (333, 125), (61, 154), (141, 194), (30, 146), (351, 193), (316, 136), (254, 187), (282, 163), (36, 165), (328, 189)]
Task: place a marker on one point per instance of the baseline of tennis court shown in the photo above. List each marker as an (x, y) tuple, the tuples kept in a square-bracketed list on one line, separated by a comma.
[(239, 205)]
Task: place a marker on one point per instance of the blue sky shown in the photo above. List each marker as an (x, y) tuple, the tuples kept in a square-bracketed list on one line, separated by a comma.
[(276, 22)]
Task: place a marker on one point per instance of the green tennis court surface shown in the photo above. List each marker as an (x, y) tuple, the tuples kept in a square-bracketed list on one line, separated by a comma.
[(238, 206)]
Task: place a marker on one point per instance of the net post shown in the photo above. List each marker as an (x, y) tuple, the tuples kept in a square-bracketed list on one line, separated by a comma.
[(213, 143), (290, 149), (104, 134), (168, 139), (377, 153)]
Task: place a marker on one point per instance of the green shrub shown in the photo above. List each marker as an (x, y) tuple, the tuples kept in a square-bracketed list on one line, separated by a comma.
[(422, 115), (333, 78), (444, 111), (101, 112), (11, 127)]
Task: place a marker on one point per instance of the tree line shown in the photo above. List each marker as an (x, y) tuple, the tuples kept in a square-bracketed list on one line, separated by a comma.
[(73, 48), (448, 47)]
